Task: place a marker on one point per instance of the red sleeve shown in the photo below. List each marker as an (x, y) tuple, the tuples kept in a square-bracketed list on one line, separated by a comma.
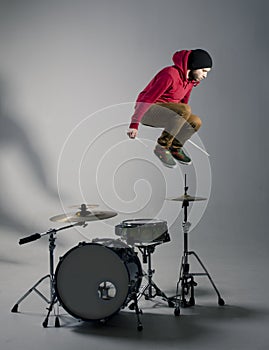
[(159, 84)]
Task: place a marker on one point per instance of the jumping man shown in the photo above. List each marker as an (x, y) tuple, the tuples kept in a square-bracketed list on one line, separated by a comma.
[(164, 104)]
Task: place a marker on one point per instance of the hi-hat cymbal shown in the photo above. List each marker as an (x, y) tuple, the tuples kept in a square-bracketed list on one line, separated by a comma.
[(82, 216), (187, 198)]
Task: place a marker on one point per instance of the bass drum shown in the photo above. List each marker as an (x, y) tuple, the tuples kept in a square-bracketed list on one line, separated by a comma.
[(93, 281)]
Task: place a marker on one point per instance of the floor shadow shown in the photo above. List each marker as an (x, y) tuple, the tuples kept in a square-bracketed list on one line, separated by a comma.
[(156, 328), (191, 325)]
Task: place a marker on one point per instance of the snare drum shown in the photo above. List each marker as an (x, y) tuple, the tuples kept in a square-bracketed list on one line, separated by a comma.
[(143, 231), (95, 280)]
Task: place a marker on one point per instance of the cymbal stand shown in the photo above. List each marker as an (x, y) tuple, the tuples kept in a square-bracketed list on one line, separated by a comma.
[(50, 276), (186, 278)]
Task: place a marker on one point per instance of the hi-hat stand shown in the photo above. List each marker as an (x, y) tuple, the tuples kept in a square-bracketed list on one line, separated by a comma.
[(186, 283), (50, 276)]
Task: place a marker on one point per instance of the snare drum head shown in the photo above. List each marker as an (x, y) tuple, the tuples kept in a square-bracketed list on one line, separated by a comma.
[(141, 222), (91, 282)]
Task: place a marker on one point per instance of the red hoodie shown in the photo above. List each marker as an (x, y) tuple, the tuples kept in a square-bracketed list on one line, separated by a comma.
[(169, 85)]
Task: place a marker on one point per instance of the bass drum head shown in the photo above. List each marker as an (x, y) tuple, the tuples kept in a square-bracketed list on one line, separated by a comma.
[(91, 282)]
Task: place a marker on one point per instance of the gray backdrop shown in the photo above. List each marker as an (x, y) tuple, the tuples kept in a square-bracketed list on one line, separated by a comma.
[(70, 72)]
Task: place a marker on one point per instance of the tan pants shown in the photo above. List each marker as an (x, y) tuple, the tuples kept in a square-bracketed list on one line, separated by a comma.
[(177, 120)]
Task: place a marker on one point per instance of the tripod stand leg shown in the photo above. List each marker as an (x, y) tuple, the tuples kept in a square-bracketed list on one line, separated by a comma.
[(142, 290), (151, 290), (32, 289), (137, 311), (160, 293), (147, 292), (177, 301), (45, 322), (221, 302)]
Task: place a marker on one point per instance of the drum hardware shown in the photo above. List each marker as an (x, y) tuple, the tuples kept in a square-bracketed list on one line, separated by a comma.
[(186, 278), (52, 299), (150, 290)]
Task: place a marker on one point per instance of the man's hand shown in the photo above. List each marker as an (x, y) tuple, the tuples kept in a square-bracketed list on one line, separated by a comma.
[(132, 133)]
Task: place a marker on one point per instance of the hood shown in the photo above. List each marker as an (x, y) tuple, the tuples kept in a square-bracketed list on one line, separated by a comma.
[(180, 59)]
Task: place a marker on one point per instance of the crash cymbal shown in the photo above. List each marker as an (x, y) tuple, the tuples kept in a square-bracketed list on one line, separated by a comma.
[(82, 216), (186, 197)]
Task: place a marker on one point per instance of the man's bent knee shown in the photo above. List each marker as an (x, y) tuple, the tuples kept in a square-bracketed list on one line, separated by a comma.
[(195, 122), (184, 110)]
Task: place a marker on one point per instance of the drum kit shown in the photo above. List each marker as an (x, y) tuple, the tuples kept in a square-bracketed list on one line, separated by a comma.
[(95, 280)]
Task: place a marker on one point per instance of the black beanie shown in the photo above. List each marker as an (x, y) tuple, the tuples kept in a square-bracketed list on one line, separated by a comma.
[(199, 59)]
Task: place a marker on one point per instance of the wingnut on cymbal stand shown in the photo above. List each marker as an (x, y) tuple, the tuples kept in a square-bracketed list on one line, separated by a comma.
[(52, 299), (186, 281)]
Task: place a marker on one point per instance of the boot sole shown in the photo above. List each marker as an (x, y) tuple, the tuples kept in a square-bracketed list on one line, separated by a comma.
[(165, 164), (184, 163)]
